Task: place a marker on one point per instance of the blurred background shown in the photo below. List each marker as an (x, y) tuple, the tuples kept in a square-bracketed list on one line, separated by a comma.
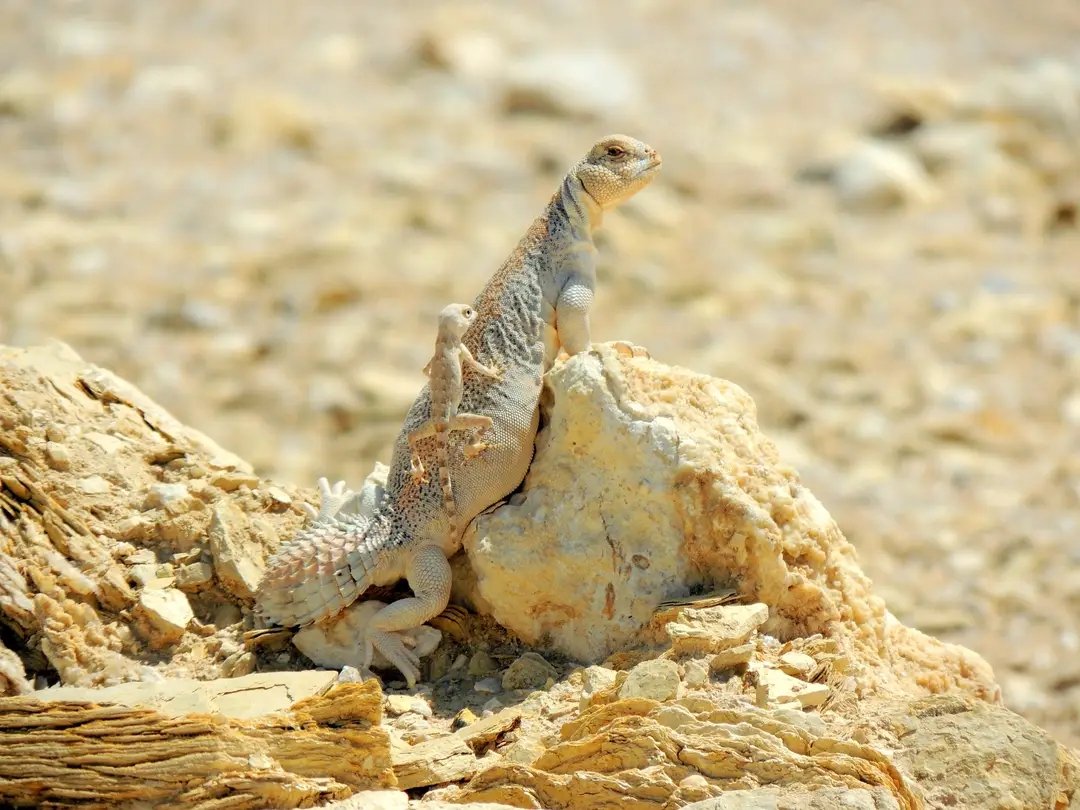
[(867, 217)]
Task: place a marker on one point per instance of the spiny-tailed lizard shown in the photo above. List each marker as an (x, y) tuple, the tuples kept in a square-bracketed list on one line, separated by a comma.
[(537, 302)]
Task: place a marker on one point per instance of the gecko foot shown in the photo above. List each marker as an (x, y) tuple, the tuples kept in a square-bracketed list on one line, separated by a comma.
[(417, 471), (474, 449)]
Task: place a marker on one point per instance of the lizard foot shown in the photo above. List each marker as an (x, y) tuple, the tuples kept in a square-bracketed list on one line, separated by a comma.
[(331, 500), (626, 349), (417, 471), (394, 650), (474, 449)]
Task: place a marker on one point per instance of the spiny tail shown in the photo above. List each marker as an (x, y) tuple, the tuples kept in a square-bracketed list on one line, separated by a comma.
[(325, 568), (442, 458)]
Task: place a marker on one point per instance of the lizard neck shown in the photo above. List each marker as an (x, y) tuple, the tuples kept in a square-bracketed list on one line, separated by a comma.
[(579, 210)]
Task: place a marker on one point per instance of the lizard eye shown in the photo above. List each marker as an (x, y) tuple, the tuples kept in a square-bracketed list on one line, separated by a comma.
[(615, 151), (468, 313)]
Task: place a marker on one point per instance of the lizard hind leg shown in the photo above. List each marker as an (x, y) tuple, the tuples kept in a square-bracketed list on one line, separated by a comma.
[(428, 574), (416, 467), (475, 424)]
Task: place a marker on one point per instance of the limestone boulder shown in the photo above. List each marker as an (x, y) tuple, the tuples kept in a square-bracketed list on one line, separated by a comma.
[(652, 482)]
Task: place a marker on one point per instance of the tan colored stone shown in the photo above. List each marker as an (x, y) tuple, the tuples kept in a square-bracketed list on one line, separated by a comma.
[(163, 615), (248, 696), (709, 630), (444, 759), (237, 559), (797, 664), (775, 688), (316, 749), (732, 657)]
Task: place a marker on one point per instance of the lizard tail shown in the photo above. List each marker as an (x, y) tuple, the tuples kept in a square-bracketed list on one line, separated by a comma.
[(324, 569), (442, 458)]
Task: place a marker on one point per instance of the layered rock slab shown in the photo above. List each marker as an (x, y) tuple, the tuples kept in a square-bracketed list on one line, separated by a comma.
[(103, 755)]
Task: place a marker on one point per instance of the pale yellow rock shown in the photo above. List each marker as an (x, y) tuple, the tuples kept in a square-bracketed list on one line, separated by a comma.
[(237, 561), (12, 675), (732, 657), (798, 664), (243, 697), (657, 679), (775, 688), (163, 614), (319, 748), (710, 630), (400, 704), (444, 759), (647, 478)]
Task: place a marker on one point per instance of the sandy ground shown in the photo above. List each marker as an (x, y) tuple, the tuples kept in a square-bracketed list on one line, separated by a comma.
[(867, 218)]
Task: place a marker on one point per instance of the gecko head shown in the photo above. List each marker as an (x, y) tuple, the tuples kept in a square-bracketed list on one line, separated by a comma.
[(616, 168), (456, 318)]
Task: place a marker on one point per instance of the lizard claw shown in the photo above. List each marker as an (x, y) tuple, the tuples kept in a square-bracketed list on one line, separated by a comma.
[(394, 650)]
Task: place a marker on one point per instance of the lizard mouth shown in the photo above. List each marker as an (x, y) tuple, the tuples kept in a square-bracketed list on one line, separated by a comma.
[(653, 167)]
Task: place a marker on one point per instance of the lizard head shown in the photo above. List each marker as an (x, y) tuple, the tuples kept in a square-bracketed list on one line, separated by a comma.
[(455, 318), (616, 168)]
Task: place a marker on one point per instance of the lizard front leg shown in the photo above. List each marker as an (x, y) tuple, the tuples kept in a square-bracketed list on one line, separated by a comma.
[(572, 315), (468, 361), (429, 576)]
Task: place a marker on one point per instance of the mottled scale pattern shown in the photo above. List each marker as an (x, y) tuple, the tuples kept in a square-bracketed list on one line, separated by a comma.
[(327, 566)]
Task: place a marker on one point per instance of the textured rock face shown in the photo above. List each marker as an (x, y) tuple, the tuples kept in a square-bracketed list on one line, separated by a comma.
[(106, 503), (318, 748), (652, 482), (794, 698)]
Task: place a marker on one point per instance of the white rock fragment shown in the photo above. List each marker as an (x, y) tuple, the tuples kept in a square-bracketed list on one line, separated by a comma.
[(350, 675), (237, 559), (696, 673), (57, 456), (195, 576), (656, 680), (94, 485), (397, 705), (594, 679), (144, 574), (713, 629), (161, 496), (875, 177), (798, 664), (163, 615), (278, 495), (774, 688), (568, 84)]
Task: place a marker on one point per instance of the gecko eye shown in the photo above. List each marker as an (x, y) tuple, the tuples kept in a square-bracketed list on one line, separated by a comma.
[(467, 312), (615, 151)]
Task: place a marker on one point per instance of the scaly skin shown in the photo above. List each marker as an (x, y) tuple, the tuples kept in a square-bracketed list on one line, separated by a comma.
[(445, 373), (535, 304)]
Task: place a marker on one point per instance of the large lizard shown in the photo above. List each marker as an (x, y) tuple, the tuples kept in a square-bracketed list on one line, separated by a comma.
[(537, 302)]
